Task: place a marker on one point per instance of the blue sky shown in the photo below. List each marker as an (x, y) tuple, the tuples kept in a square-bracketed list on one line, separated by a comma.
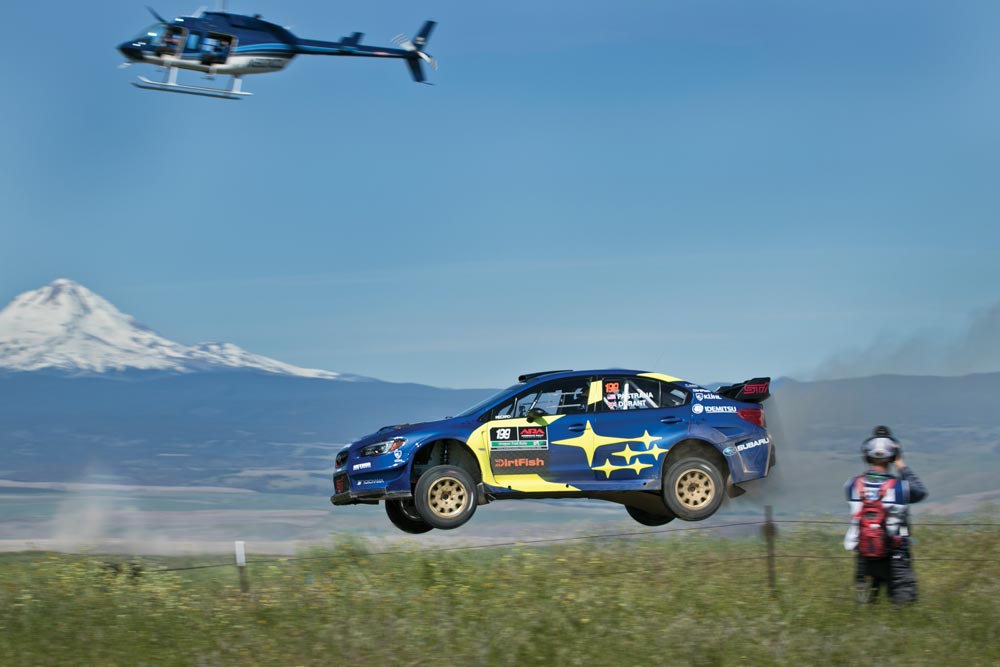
[(714, 189)]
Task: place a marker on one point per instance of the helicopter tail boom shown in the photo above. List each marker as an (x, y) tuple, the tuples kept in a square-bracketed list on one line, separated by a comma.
[(410, 50)]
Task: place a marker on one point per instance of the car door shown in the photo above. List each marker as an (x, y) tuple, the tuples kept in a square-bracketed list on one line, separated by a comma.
[(636, 422), (521, 450)]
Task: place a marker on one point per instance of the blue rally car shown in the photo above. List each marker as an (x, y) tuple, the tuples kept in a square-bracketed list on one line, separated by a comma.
[(662, 447)]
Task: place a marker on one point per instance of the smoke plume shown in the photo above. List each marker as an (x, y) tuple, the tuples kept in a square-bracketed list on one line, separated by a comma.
[(975, 350)]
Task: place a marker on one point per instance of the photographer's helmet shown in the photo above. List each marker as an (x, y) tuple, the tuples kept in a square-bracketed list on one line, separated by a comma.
[(882, 447)]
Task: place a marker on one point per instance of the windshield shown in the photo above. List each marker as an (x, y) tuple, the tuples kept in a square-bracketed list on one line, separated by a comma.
[(153, 33), (478, 407)]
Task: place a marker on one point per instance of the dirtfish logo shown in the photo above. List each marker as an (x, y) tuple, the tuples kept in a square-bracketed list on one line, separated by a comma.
[(519, 463)]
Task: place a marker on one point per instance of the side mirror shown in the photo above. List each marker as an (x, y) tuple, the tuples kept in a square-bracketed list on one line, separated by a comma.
[(536, 413)]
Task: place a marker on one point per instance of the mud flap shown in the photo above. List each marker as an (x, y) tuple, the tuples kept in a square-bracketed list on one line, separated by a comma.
[(482, 497)]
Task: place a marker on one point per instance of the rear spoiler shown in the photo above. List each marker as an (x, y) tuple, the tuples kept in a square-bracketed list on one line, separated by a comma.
[(756, 390)]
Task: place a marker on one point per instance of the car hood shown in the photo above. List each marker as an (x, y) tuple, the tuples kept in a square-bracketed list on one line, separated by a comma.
[(401, 431)]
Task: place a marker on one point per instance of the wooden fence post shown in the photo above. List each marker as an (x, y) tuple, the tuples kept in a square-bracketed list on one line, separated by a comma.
[(241, 565), (770, 532)]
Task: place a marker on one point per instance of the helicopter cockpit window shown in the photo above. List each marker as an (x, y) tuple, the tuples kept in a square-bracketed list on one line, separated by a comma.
[(153, 34), (170, 40)]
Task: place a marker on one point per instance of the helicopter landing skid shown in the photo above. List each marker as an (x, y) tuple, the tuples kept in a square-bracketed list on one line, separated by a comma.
[(170, 85)]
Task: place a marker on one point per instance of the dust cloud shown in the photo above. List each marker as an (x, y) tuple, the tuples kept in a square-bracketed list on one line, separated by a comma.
[(976, 349)]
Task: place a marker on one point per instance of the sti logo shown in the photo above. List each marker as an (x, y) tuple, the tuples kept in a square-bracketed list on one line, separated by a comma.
[(752, 389)]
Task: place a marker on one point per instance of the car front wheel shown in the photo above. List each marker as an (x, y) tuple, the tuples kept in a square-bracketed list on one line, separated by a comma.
[(403, 514), (693, 489), (445, 497)]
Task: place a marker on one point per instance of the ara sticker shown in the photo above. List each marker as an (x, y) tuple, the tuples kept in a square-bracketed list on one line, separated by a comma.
[(519, 437)]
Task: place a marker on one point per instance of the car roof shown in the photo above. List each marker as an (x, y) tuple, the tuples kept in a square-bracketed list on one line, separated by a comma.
[(529, 378)]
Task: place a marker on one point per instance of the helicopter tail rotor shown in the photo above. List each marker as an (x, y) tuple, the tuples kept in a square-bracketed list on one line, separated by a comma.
[(417, 56)]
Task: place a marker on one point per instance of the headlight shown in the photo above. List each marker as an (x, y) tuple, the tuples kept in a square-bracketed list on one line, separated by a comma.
[(383, 447)]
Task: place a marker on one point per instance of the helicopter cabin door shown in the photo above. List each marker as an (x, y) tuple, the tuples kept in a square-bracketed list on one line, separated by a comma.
[(216, 47)]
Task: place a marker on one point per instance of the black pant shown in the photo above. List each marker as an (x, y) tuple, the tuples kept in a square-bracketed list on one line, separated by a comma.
[(895, 571)]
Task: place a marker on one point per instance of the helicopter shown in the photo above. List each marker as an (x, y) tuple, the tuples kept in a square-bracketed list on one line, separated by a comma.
[(236, 45)]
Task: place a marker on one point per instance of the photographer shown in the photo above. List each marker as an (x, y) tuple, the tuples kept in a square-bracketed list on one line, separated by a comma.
[(879, 531)]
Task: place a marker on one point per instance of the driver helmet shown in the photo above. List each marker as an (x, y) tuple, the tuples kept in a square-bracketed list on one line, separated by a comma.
[(881, 447)]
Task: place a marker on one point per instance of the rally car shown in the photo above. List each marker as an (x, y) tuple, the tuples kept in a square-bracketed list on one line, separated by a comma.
[(662, 447)]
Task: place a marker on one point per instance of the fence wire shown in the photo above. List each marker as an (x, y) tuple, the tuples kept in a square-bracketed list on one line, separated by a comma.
[(618, 535)]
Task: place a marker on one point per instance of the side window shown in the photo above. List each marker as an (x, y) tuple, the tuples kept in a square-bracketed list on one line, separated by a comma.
[(559, 397), (671, 396), (632, 393)]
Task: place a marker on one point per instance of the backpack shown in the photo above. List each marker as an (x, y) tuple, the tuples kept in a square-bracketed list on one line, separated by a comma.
[(873, 538)]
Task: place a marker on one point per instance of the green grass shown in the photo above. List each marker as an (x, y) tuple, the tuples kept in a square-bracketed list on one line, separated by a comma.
[(692, 600)]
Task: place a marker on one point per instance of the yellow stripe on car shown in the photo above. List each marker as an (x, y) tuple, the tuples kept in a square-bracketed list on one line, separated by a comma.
[(661, 377)]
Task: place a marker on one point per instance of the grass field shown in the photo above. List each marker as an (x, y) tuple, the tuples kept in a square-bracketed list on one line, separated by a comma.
[(693, 600)]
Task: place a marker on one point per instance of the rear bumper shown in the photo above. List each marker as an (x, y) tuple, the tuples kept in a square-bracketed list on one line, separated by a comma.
[(751, 458)]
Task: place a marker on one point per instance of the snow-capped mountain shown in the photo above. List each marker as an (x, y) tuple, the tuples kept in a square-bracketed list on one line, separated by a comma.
[(66, 327)]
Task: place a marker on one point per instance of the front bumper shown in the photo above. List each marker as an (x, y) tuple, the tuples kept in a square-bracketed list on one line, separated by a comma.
[(367, 497), (368, 489)]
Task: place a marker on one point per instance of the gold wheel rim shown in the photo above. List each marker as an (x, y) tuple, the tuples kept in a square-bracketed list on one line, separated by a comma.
[(695, 489), (447, 497)]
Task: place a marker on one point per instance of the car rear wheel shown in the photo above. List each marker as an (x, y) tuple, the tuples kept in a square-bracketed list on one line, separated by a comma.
[(648, 518), (445, 497), (693, 489), (403, 514)]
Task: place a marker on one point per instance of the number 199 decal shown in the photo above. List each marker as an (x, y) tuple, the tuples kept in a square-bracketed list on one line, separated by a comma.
[(519, 437)]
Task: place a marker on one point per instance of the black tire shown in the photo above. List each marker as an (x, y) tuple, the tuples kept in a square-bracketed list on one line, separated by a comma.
[(445, 497), (648, 518), (693, 489), (403, 514)]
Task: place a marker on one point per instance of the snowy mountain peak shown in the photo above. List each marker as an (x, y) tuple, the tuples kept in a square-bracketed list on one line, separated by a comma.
[(64, 326)]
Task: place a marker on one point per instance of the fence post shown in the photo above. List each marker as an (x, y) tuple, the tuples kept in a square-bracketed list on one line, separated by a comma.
[(241, 565), (770, 532)]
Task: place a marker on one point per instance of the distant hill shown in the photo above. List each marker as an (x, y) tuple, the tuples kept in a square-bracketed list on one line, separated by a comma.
[(204, 429)]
